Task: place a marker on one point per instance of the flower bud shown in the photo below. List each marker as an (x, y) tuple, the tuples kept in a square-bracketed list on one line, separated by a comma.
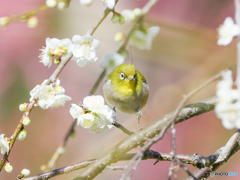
[(57, 61), (23, 107), (121, 20), (4, 21), (32, 22), (8, 167), (26, 121), (51, 3), (25, 172), (115, 18), (22, 135), (119, 37)]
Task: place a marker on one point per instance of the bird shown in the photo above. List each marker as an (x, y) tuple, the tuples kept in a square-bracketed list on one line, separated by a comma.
[(126, 89)]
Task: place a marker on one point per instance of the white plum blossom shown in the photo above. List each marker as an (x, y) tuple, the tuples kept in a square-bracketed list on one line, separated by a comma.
[(84, 49), (227, 31), (54, 47), (93, 114), (75, 111), (143, 40), (49, 95), (86, 120), (25, 172), (109, 3), (93, 103), (228, 106), (229, 113), (4, 145), (111, 61), (59, 100)]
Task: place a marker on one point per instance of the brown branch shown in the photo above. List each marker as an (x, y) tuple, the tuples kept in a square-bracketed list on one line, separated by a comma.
[(148, 132), (190, 159), (234, 143), (30, 106)]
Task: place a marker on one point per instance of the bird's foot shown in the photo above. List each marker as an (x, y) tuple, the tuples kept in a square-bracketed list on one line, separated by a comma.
[(139, 115), (114, 116)]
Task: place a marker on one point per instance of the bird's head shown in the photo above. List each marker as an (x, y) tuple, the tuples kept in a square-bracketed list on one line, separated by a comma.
[(124, 78)]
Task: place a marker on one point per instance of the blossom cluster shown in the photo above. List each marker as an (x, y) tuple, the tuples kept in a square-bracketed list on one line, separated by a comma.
[(227, 32), (93, 114), (83, 49), (52, 95), (228, 106)]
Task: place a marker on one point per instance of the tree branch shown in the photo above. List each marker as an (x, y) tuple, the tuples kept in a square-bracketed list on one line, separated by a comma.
[(30, 106), (140, 137)]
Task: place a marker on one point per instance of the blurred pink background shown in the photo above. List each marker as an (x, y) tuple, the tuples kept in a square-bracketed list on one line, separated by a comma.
[(184, 55)]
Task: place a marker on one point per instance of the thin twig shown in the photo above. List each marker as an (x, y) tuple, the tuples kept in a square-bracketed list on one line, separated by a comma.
[(100, 20), (33, 12), (121, 127), (173, 152), (58, 152), (185, 168), (30, 106)]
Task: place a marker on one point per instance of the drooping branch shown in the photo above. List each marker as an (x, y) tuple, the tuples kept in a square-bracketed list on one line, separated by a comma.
[(30, 106)]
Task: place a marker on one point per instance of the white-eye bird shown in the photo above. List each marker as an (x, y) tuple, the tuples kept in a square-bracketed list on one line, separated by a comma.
[(126, 89)]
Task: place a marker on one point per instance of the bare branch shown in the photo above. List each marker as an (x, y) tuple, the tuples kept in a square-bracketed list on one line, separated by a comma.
[(149, 132)]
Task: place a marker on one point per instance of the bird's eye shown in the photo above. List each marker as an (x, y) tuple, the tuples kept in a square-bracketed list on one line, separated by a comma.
[(122, 76)]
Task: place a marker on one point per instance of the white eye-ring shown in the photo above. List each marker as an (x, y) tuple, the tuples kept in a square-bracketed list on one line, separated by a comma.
[(122, 76)]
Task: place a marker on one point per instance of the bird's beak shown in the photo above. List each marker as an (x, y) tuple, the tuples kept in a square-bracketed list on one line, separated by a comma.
[(131, 78)]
